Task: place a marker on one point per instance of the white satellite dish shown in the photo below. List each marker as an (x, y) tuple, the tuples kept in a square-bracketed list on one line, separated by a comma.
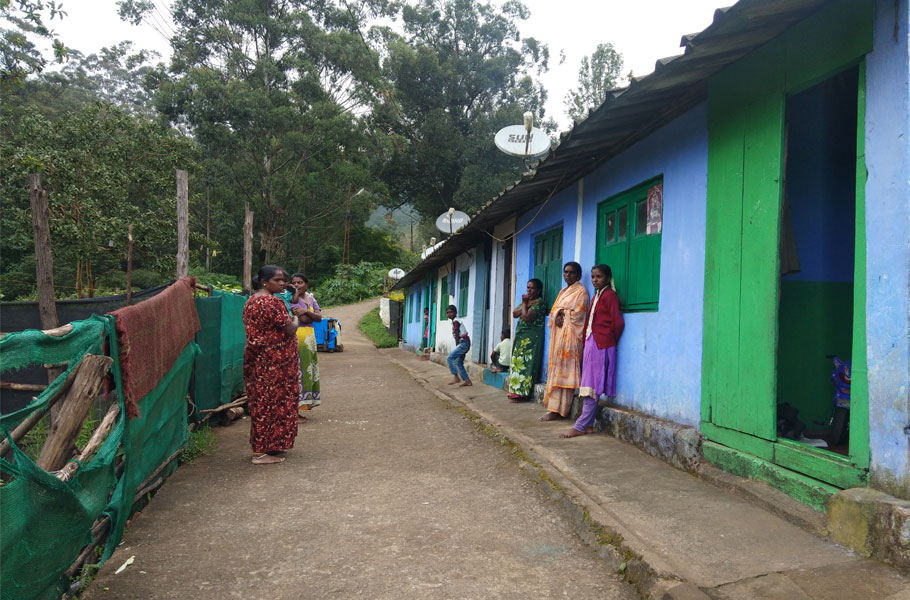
[(396, 273), (514, 140), (451, 221)]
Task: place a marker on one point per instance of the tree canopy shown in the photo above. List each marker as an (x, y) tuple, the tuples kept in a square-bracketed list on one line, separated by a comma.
[(597, 74), (314, 114), (460, 72)]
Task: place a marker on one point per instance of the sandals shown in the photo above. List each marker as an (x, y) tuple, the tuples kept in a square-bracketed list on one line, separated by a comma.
[(267, 459)]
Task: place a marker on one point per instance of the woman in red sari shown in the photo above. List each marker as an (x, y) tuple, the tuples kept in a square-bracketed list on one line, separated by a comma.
[(270, 365)]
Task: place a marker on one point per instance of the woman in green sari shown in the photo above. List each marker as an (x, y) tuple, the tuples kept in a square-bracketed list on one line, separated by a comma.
[(307, 310), (527, 347)]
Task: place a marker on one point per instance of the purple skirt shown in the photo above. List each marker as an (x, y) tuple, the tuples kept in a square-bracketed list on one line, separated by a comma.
[(598, 370)]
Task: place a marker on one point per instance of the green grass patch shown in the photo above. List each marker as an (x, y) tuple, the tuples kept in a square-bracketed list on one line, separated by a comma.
[(372, 327), (201, 442), (34, 440)]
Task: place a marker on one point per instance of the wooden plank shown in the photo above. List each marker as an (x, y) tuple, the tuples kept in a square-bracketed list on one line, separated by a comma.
[(760, 272), (827, 42), (183, 231), (819, 464), (58, 447), (749, 444), (720, 366)]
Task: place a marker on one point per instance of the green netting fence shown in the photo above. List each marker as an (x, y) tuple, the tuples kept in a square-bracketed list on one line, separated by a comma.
[(45, 522), (219, 367)]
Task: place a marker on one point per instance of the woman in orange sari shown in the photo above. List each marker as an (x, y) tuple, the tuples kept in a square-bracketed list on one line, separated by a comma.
[(567, 325)]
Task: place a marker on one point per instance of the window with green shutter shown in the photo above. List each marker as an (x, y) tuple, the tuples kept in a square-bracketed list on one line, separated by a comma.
[(629, 229), (463, 280), (548, 263)]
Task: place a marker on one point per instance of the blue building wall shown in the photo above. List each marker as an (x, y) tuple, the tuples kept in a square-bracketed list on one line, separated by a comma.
[(560, 211), (888, 248), (659, 358)]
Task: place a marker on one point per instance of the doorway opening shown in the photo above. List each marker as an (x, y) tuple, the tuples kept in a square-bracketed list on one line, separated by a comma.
[(817, 256)]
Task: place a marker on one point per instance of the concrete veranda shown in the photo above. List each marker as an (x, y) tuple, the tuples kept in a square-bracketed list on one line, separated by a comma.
[(683, 537)]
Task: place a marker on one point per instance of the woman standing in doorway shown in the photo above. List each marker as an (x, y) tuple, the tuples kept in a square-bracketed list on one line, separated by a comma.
[(270, 367), (602, 332), (527, 347), (305, 307), (567, 341)]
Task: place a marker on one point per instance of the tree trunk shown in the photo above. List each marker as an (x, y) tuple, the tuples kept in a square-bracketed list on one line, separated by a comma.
[(183, 232)]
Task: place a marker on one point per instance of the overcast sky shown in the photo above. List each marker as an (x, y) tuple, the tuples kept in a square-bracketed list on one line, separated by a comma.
[(642, 30)]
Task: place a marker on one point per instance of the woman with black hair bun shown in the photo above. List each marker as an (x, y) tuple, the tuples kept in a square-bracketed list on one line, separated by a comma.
[(270, 367)]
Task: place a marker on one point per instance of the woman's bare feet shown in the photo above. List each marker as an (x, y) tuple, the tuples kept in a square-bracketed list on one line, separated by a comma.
[(466, 383), (266, 459), (455, 381), (550, 416), (573, 433)]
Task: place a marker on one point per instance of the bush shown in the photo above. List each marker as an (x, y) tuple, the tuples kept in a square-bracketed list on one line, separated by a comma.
[(372, 327), (364, 280), (219, 281)]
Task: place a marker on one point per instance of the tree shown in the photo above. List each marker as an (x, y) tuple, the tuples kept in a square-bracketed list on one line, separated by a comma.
[(115, 74), (19, 56), (460, 72), (596, 76), (272, 90), (103, 169)]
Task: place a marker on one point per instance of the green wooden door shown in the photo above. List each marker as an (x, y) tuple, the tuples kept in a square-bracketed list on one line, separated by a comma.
[(548, 263), (746, 110), (741, 270)]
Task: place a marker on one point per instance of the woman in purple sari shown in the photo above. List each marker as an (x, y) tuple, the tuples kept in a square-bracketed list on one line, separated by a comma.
[(604, 327)]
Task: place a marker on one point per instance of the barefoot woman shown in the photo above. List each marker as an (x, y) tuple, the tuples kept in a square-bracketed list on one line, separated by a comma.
[(527, 348), (598, 371), (270, 367)]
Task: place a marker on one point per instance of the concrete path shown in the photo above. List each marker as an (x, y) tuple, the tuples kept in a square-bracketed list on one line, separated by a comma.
[(681, 537), (390, 492)]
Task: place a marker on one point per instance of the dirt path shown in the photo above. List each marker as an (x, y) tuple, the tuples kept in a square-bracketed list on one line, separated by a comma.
[(389, 493)]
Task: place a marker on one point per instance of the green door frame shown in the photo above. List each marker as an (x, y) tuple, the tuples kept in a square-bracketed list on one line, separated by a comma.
[(746, 103)]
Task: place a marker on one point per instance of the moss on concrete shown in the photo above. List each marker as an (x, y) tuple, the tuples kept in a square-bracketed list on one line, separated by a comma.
[(805, 489)]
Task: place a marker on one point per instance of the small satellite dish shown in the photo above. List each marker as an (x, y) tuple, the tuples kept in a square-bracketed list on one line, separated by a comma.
[(451, 221), (396, 273), (513, 140)]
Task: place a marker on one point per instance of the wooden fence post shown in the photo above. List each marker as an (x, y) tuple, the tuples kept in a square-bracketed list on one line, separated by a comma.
[(129, 266), (44, 264), (247, 247), (183, 232)]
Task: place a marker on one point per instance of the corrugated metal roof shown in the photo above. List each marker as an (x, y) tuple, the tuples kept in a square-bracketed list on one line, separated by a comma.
[(630, 114)]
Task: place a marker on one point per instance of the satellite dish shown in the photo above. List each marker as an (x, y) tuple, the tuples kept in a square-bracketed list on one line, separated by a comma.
[(513, 140), (451, 221), (396, 273)]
